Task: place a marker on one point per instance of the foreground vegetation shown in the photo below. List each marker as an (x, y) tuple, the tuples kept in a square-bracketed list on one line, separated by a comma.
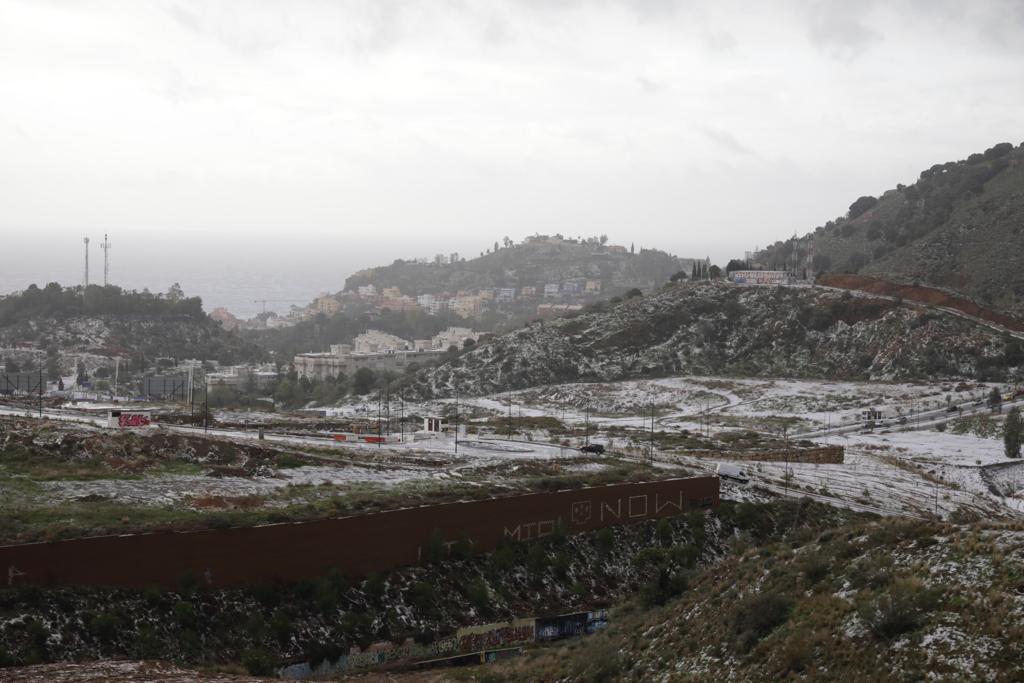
[(321, 618), (881, 600)]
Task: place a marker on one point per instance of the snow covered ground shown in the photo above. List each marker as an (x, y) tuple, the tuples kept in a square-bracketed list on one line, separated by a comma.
[(683, 402), (908, 472)]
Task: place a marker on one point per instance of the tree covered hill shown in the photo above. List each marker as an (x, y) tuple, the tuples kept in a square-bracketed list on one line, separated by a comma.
[(535, 262), (958, 228), (111, 321), (715, 328)]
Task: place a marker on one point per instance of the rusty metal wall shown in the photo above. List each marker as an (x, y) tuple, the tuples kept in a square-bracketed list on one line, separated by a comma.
[(355, 545)]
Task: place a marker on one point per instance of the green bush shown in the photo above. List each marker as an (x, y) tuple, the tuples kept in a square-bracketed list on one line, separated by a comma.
[(479, 597), (423, 596), (104, 627), (902, 608), (758, 615), (185, 614), (605, 542), (814, 568), (259, 662)]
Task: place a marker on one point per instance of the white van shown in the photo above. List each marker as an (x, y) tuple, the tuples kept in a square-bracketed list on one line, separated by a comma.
[(727, 470)]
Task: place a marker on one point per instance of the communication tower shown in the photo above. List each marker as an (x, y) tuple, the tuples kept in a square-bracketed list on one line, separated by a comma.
[(106, 259), (86, 240)]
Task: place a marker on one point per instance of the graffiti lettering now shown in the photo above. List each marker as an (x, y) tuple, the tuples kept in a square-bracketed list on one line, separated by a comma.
[(643, 505)]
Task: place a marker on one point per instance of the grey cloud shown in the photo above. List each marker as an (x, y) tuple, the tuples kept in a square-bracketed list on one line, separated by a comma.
[(836, 28), (184, 17), (649, 86), (727, 141), (720, 41)]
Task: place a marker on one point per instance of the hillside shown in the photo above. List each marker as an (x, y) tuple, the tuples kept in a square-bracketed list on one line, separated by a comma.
[(110, 321), (719, 328), (877, 601), (535, 262), (955, 228)]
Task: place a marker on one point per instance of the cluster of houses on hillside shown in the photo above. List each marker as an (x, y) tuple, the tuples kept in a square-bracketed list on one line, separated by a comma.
[(377, 351), (465, 303)]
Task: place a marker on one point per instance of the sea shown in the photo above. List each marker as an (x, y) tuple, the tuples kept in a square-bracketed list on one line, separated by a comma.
[(236, 278)]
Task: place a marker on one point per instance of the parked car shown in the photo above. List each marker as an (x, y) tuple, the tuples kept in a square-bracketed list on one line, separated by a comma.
[(595, 448), (901, 420)]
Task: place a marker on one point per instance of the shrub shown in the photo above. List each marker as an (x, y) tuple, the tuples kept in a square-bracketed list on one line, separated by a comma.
[(479, 597), (423, 596), (374, 585), (104, 627), (185, 614), (815, 568), (900, 609), (665, 586), (258, 662), (796, 652), (758, 615), (605, 541), (536, 561)]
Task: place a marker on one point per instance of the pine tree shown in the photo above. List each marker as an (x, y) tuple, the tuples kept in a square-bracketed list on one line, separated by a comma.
[(995, 400), (1013, 430)]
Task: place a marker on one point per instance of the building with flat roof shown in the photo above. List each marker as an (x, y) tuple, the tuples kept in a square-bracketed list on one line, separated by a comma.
[(322, 365), (375, 341)]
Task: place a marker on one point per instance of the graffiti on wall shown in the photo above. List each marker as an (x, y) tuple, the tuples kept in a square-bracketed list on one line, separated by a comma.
[(587, 511), (496, 636), (389, 539), (488, 641), (133, 420)]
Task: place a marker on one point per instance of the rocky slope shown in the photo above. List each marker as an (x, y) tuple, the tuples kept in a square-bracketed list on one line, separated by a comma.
[(719, 328), (882, 601), (955, 228)]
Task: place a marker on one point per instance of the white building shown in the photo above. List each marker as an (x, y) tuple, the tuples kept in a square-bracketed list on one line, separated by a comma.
[(375, 341), (453, 336), (551, 291), (366, 291)]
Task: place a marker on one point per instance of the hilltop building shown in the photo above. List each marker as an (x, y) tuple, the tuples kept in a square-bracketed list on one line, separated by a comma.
[(326, 304), (377, 351)]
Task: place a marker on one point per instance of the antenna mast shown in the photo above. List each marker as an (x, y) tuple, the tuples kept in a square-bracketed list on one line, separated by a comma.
[(86, 240), (106, 259)]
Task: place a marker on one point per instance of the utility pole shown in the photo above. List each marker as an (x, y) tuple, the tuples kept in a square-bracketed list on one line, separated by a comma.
[(510, 413), (401, 415), (785, 445), (40, 390), (586, 425), (456, 420), (378, 417), (206, 404), (651, 450)]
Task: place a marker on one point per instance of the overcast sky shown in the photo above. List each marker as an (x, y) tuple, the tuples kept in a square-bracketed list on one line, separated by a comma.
[(366, 131)]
